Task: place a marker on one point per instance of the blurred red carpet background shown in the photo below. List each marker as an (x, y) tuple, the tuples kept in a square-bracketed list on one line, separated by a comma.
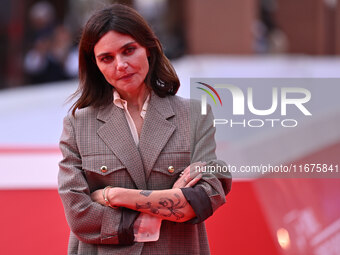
[(261, 216), (33, 222)]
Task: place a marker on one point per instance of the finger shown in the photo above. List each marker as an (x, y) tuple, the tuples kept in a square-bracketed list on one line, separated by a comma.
[(187, 178), (184, 174), (96, 195), (193, 177), (191, 171), (194, 181), (192, 167), (196, 170), (193, 174)]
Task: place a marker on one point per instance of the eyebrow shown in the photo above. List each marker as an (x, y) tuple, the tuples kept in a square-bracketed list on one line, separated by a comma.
[(124, 46)]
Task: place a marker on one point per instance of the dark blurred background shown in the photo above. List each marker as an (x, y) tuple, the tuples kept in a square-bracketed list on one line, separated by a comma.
[(38, 39)]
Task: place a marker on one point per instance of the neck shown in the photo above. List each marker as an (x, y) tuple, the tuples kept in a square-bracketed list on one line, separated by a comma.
[(136, 98)]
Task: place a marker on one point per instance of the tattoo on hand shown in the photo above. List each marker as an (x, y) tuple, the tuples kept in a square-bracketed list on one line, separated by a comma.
[(172, 207), (146, 193)]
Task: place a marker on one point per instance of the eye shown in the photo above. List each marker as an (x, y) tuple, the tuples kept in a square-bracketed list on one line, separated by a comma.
[(106, 59), (129, 50)]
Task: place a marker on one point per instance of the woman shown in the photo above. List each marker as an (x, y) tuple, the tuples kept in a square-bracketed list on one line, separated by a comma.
[(125, 180)]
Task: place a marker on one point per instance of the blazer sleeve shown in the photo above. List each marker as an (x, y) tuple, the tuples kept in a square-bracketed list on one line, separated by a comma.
[(210, 192), (88, 220)]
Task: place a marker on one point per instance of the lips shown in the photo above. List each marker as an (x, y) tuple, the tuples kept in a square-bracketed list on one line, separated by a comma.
[(126, 76)]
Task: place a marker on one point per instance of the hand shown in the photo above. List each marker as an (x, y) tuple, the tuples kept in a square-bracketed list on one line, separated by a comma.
[(97, 196), (189, 177)]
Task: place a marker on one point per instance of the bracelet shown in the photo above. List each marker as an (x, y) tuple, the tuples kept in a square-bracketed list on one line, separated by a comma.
[(107, 202)]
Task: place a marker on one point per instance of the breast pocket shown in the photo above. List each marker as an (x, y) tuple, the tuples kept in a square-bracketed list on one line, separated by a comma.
[(104, 170), (167, 169)]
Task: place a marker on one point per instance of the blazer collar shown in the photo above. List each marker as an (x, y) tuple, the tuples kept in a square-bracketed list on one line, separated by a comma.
[(116, 134), (162, 105), (156, 131), (106, 112)]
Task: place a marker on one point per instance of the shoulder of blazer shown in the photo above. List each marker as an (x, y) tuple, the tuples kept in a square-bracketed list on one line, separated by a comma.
[(184, 104), (83, 115)]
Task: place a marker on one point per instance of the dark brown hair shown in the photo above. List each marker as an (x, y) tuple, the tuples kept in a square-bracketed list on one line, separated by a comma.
[(93, 89)]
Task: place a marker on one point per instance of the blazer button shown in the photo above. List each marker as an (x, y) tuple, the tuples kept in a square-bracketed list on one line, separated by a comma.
[(103, 169), (171, 169)]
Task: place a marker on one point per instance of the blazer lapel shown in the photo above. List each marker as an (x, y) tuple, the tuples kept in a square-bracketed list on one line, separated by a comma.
[(156, 131), (117, 136)]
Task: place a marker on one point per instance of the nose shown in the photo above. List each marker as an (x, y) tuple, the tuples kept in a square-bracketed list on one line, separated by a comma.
[(121, 64)]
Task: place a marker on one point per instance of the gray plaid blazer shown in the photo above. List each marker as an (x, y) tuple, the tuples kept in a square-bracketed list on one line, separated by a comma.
[(174, 133)]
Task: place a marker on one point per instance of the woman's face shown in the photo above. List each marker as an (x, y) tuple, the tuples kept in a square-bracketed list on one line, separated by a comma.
[(122, 61)]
